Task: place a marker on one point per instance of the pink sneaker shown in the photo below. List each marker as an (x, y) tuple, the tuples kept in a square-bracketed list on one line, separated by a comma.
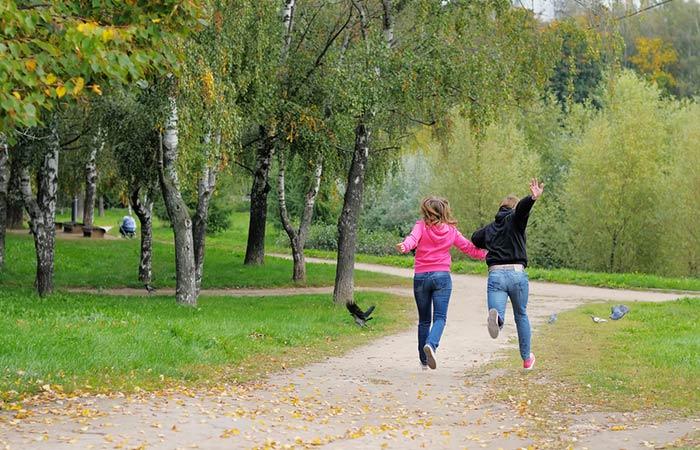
[(529, 363)]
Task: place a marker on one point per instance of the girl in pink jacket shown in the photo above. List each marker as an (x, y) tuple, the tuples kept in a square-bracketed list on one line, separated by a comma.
[(432, 237)]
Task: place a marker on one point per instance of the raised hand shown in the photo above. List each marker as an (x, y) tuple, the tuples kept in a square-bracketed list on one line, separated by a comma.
[(536, 188)]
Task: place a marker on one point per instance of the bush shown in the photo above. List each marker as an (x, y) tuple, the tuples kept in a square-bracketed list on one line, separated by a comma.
[(219, 218), (325, 237)]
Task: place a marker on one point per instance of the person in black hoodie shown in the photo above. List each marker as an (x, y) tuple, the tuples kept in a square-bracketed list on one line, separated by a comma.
[(505, 240)]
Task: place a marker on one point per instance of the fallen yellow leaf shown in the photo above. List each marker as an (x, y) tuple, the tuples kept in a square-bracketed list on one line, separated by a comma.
[(60, 91)]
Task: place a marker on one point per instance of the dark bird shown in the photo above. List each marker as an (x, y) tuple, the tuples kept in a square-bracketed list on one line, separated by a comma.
[(149, 288), (361, 317), (618, 312)]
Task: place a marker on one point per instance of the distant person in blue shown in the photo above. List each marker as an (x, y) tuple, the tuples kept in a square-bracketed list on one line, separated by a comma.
[(127, 227)]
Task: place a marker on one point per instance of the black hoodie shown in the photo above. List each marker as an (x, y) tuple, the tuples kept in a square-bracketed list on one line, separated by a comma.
[(504, 238)]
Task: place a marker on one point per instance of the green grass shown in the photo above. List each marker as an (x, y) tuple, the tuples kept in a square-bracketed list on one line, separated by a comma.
[(649, 360), (97, 342), (565, 276), (105, 263)]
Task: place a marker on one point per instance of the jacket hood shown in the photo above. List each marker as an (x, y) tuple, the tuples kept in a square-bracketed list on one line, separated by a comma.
[(502, 213), (439, 231)]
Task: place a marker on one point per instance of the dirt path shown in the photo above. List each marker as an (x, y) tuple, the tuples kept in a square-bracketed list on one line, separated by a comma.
[(373, 397)]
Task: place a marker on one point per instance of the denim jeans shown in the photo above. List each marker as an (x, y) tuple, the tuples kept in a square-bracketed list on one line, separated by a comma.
[(514, 284), (432, 292)]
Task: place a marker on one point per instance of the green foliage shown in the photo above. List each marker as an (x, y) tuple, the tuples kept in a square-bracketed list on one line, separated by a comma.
[(116, 343), (377, 242), (616, 184), (57, 50), (219, 218), (476, 175), (581, 63)]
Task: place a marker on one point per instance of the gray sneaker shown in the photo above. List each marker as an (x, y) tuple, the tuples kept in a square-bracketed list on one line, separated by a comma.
[(493, 323), (430, 354)]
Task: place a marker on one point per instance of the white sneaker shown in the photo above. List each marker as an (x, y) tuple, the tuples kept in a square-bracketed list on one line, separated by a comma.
[(493, 323), (430, 354), (423, 366)]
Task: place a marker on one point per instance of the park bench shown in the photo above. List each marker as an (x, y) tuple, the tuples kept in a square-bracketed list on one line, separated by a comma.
[(73, 228), (95, 232)]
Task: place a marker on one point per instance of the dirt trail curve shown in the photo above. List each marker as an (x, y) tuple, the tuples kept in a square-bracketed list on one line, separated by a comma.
[(373, 397)]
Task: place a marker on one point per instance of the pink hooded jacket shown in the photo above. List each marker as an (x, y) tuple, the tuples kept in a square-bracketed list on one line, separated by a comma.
[(432, 244)]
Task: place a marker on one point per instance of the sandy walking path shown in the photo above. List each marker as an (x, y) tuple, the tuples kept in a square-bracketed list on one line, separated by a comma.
[(371, 398)]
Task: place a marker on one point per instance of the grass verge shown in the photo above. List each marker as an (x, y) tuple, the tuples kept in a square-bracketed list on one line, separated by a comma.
[(647, 361), (98, 343), (565, 276)]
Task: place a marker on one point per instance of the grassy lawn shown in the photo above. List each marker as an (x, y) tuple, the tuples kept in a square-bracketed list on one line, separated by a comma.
[(114, 263), (95, 342), (649, 360), (566, 276)]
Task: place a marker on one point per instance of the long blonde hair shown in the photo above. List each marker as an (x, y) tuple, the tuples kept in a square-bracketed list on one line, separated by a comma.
[(436, 210)]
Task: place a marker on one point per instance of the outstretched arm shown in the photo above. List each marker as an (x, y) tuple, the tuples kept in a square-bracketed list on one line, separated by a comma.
[(522, 209), (467, 247), (412, 239)]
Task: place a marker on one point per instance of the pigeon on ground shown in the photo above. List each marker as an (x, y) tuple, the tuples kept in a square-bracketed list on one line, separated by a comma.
[(598, 319), (149, 288), (361, 317), (618, 312), (552, 318)]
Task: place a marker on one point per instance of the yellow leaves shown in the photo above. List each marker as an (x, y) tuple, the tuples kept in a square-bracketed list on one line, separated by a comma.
[(157, 20), (50, 79), (618, 428), (17, 95), (79, 85), (230, 433), (61, 91), (107, 35), (96, 89), (30, 64), (653, 58), (208, 86), (87, 27)]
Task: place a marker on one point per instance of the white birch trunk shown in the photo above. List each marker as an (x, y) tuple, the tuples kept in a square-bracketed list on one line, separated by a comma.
[(186, 289)]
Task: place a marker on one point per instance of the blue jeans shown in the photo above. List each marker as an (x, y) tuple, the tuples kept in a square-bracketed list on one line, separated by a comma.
[(514, 284), (432, 291)]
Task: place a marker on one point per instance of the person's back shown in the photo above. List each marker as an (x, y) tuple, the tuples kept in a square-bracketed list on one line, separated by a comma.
[(505, 240), (433, 243), (505, 237), (432, 238)]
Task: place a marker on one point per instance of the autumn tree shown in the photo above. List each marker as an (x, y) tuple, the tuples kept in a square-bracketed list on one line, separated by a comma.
[(653, 59)]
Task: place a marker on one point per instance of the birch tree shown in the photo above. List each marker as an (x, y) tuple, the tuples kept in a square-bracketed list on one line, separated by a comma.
[(4, 189), (411, 63)]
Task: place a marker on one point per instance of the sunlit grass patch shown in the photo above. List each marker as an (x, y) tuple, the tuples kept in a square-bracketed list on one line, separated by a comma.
[(96, 342), (647, 361)]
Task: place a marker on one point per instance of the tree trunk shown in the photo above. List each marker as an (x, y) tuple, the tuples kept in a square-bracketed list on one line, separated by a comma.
[(347, 224), (42, 212), (101, 206), (388, 22), (297, 238), (205, 189), (15, 208), (144, 211), (4, 185), (91, 181), (255, 249), (186, 289), (288, 22)]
